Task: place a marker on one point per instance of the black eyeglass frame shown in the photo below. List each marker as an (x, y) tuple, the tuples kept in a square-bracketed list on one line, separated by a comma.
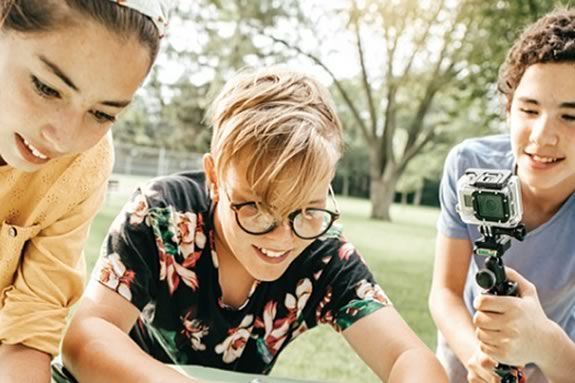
[(334, 215)]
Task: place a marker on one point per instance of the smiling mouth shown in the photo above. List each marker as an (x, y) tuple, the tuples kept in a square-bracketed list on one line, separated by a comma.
[(544, 159), (35, 151), (271, 253)]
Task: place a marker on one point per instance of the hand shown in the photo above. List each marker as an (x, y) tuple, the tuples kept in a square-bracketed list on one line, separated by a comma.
[(480, 369), (511, 330)]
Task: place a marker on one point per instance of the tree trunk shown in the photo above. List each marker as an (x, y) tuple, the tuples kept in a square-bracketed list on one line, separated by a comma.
[(381, 194), (418, 195), (345, 186), (404, 198)]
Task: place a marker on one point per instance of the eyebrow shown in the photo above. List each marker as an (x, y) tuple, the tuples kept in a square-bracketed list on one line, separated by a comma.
[(570, 104), (62, 76), (566, 104), (58, 72)]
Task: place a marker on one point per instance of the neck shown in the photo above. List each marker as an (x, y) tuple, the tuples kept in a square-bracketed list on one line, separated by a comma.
[(235, 281), (540, 205)]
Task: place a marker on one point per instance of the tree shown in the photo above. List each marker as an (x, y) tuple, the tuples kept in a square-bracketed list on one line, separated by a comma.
[(205, 45), (409, 54), (425, 70)]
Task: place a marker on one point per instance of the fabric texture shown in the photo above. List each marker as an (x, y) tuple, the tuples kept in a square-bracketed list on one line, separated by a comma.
[(44, 222), (157, 10), (160, 255), (550, 268)]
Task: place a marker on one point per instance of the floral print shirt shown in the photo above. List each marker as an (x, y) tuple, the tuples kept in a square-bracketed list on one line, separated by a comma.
[(159, 254)]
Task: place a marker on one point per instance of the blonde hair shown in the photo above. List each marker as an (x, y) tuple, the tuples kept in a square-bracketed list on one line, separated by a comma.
[(284, 125)]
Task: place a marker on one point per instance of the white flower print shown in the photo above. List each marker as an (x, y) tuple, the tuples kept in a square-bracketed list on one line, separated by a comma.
[(369, 291), (113, 273), (233, 346)]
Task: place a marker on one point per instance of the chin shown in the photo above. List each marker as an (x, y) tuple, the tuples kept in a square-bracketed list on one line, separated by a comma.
[(263, 275), (24, 166)]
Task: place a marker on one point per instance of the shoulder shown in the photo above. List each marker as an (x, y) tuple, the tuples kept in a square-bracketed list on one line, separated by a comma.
[(185, 191), (484, 150), (333, 254), (490, 152)]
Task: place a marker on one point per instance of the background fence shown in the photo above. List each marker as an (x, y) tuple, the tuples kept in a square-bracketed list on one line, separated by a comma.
[(139, 162), (152, 162)]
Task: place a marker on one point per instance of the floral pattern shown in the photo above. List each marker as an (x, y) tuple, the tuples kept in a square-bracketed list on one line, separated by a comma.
[(114, 274), (233, 346), (160, 255)]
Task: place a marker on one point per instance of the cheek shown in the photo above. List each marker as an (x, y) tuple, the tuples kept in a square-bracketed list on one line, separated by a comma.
[(89, 136), (19, 104), (518, 132), (234, 236)]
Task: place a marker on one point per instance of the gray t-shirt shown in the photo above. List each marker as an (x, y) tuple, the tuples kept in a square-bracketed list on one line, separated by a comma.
[(546, 256)]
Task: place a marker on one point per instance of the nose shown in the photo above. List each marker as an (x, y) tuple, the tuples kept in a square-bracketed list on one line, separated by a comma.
[(62, 131), (544, 132), (282, 232)]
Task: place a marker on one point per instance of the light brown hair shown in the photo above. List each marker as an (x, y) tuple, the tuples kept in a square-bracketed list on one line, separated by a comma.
[(283, 125)]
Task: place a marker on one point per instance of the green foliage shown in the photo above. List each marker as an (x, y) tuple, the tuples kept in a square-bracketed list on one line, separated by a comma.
[(416, 78)]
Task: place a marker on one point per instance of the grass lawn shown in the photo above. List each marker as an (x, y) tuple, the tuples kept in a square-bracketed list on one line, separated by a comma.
[(400, 255)]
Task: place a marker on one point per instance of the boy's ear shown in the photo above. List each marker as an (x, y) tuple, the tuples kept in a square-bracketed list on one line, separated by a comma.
[(210, 172)]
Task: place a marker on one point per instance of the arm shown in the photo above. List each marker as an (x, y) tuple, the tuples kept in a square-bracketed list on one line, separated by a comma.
[(452, 257), (516, 331), (405, 358), (48, 280), (19, 363), (97, 348)]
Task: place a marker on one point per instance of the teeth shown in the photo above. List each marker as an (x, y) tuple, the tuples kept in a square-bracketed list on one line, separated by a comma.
[(546, 160), (272, 254), (35, 151)]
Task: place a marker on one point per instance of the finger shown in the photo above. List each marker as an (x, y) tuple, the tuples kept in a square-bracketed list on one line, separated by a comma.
[(473, 378), (489, 321), (481, 375), (490, 338), (496, 304), (496, 352), (487, 303)]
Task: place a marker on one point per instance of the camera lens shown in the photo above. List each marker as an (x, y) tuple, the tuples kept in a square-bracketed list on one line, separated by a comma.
[(490, 206)]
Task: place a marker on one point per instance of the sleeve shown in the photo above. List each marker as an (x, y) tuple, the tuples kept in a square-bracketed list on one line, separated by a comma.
[(49, 279), (351, 291), (449, 222), (128, 263)]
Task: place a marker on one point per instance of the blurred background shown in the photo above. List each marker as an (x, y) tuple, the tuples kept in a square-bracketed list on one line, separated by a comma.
[(410, 78)]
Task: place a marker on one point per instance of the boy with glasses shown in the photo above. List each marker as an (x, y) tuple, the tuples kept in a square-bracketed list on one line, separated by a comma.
[(224, 267)]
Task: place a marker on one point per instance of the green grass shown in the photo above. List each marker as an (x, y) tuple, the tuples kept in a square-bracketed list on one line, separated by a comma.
[(399, 254)]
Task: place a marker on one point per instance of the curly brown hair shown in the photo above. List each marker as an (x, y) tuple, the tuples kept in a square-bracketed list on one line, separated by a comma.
[(551, 39)]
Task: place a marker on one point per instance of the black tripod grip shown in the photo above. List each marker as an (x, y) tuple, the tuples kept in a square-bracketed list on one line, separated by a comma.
[(486, 279), (493, 280)]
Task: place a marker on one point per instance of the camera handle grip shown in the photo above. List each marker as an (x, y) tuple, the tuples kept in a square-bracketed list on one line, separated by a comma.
[(493, 279)]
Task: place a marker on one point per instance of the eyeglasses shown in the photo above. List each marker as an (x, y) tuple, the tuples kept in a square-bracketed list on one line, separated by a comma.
[(308, 223)]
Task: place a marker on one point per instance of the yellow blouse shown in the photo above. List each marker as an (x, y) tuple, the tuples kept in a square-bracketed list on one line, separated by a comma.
[(44, 222)]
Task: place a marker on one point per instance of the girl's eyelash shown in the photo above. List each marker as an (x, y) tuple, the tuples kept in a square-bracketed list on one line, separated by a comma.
[(44, 90), (102, 117), (568, 117)]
